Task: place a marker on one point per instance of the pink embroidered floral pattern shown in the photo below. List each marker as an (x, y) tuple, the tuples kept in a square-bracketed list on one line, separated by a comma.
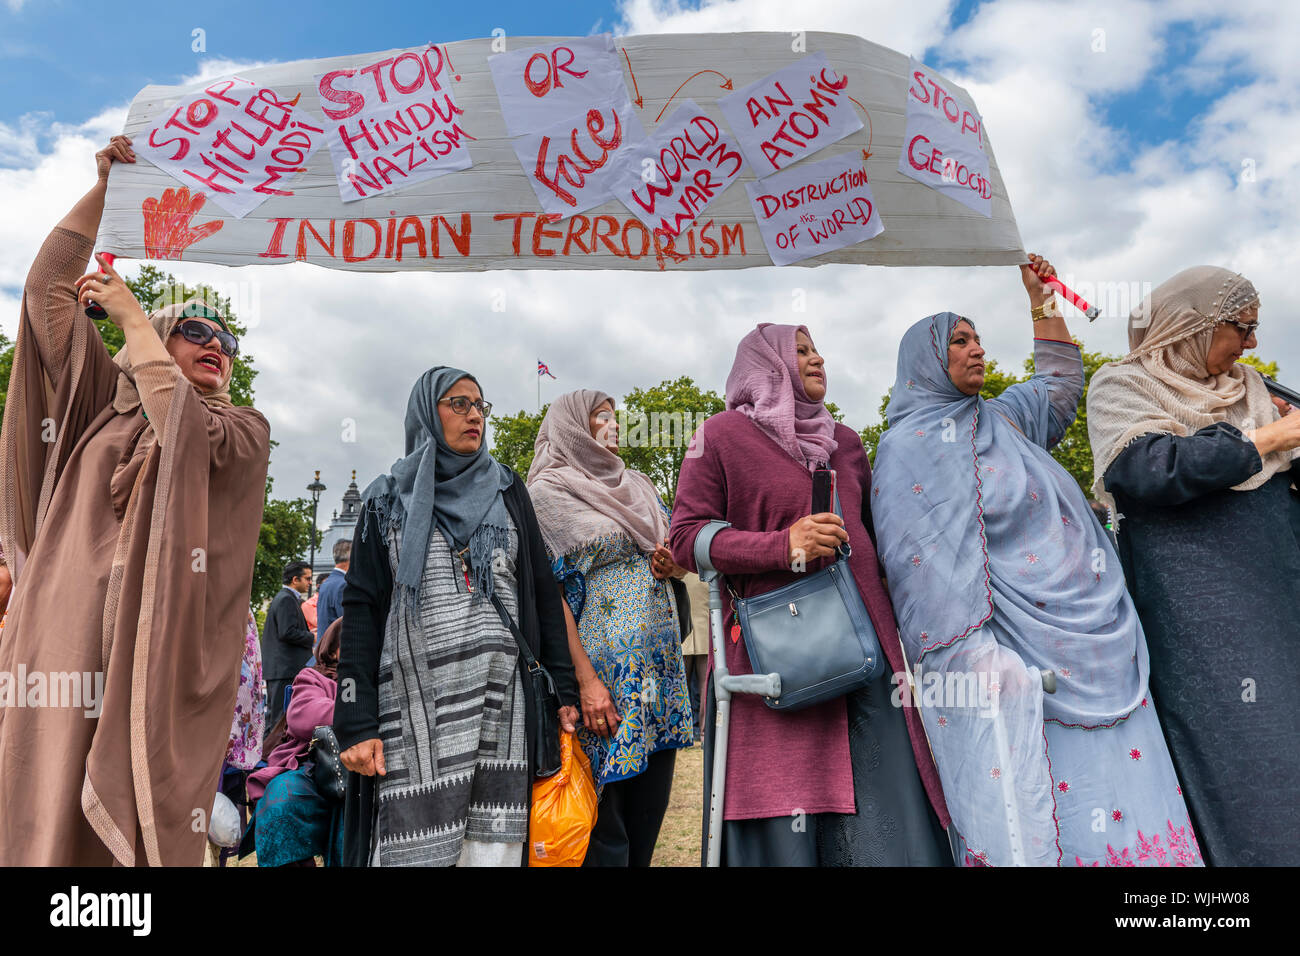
[(1063, 787), (917, 489), (995, 773), (1116, 816), (1135, 754), (916, 560), (1031, 558), (943, 721), (1179, 848)]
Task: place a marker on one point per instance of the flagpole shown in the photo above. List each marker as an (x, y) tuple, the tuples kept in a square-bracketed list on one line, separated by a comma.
[(539, 386)]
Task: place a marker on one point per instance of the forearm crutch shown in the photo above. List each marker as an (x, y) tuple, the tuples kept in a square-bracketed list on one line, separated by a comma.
[(724, 685)]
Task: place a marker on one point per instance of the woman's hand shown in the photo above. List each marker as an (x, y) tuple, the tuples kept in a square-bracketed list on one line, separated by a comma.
[(366, 758), (108, 289), (1281, 435), (1032, 275), (598, 712), (662, 564), (568, 719), (118, 150), (816, 536)]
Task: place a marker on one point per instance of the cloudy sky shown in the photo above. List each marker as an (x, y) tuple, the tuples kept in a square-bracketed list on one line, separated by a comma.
[(1135, 139)]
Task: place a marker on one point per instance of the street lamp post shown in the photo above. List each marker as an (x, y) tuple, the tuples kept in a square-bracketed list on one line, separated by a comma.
[(315, 488)]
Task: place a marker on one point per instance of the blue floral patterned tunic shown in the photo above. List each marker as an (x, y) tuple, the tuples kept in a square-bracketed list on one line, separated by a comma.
[(627, 622)]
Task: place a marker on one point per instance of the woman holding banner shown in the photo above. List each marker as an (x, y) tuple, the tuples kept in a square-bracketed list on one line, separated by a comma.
[(999, 574), (132, 501), (835, 783), (1194, 456), (433, 715)]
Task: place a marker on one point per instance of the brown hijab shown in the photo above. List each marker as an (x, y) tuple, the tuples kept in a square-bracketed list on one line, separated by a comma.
[(164, 322)]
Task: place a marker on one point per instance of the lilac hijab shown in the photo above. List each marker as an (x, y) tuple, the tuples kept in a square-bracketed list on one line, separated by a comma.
[(765, 385)]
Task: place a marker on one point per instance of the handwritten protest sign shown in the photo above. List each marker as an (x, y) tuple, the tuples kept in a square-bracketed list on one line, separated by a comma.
[(569, 165), (814, 208), (497, 213), (394, 122), (944, 143), (790, 114), (672, 177), (237, 140), (543, 86)]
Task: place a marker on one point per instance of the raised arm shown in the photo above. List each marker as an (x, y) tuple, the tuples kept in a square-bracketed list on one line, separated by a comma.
[(49, 295)]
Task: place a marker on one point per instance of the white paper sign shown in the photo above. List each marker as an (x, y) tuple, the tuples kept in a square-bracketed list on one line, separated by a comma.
[(790, 114), (814, 208), (543, 86), (570, 165), (237, 141), (393, 122), (944, 143), (670, 178)]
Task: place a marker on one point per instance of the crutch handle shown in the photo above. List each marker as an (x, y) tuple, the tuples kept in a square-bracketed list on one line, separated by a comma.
[(1049, 682)]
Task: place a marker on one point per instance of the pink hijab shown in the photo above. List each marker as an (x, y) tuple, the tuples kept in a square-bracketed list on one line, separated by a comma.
[(765, 385)]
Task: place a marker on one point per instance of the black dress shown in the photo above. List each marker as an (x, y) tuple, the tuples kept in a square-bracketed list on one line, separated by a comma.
[(1215, 576)]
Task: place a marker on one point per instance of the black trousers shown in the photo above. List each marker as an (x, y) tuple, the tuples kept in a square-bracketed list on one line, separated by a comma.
[(630, 814), (275, 699)]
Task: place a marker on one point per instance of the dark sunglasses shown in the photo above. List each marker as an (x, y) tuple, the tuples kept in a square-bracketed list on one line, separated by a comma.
[(200, 333)]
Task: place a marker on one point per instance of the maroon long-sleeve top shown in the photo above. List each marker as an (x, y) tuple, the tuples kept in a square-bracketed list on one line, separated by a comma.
[(779, 762)]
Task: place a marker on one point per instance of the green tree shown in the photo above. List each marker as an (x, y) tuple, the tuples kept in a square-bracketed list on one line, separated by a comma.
[(656, 425), (514, 436), (286, 536), (1264, 368)]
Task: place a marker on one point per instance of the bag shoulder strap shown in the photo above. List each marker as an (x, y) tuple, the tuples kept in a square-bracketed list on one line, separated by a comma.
[(530, 659)]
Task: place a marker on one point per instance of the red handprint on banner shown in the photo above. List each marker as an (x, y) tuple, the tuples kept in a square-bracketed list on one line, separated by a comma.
[(167, 232)]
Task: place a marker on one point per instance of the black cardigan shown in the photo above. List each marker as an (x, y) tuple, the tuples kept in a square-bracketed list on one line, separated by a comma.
[(367, 594)]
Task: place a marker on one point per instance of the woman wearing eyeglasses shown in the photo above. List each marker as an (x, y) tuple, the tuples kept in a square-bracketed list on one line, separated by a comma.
[(434, 717), (1196, 461), (132, 501)]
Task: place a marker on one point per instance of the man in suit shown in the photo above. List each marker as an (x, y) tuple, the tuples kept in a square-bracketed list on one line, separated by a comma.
[(287, 641), (330, 605)]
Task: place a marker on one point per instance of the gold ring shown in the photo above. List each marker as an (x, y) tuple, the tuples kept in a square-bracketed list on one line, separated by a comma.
[(601, 721)]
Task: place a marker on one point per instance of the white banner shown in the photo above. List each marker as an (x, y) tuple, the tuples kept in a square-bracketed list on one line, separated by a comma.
[(440, 181)]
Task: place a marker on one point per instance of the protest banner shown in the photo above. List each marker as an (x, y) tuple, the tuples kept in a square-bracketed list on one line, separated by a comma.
[(443, 157)]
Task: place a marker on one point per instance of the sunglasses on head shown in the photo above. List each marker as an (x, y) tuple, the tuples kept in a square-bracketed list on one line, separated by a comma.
[(200, 333)]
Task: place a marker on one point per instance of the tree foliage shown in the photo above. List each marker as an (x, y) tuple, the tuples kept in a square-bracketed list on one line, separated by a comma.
[(656, 425), (513, 437), (286, 536)]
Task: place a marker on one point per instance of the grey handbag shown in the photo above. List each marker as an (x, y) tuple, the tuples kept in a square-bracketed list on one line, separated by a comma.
[(815, 632)]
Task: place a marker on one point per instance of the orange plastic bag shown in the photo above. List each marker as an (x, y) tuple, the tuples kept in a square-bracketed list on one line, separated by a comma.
[(564, 810)]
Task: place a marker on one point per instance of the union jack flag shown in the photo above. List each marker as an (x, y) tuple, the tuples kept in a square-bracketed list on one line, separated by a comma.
[(542, 369)]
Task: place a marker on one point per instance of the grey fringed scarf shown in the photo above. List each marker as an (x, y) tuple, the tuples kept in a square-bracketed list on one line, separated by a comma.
[(462, 493)]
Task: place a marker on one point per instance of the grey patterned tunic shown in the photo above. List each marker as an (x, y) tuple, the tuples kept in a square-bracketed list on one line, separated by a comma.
[(451, 717)]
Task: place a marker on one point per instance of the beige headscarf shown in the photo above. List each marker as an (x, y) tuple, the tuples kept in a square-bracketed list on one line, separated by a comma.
[(1162, 384), (580, 490), (164, 321)]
